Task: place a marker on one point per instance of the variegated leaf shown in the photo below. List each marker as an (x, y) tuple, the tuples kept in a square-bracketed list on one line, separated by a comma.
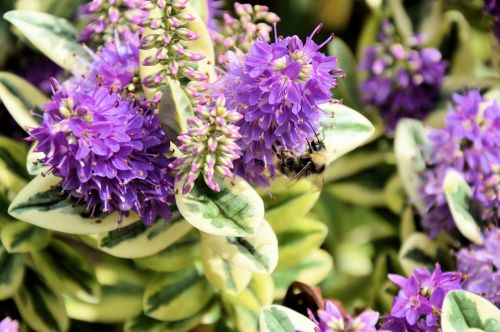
[(180, 255), (32, 165), (42, 206), (41, 306), (237, 210), (53, 36), (458, 195), (276, 318), (345, 130), (409, 141), (138, 240), (176, 295), (11, 273), (258, 294), (465, 311), (20, 97), (299, 240), (174, 110), (117, 303), (310, 270), (224, 275), (256, 253), (68, 270), (23, 237), (418, 250)]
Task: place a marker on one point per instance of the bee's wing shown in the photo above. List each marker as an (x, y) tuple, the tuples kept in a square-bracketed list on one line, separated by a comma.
[(297, 177)]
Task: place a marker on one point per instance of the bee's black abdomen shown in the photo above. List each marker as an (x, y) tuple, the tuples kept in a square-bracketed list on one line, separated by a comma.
[(318, 169)]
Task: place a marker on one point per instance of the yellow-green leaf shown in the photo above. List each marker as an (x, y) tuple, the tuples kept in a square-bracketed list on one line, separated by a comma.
[(42, 206), (258, 294), (23, 237), (11, 273), (418, 250), (276, 318)]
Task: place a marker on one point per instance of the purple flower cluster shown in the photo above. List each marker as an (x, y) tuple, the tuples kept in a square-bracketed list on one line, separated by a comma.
[(208, 147), (116, 65), (332, 320), (9, 325), (241, 31), (106, 16), (470, 144), (214, 11), (492, 7), (480, 266), (277, 87), (108, 151), (403, 80), (417, 306)]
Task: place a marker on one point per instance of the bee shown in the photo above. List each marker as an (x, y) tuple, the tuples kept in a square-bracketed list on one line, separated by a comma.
[(311, 162)]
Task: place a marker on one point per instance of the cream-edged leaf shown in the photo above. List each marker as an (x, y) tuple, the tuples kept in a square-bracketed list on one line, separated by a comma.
[(418, 250), (11, 273), (237, 210), (344, 130), (41, 205), (19, 236), (258, 294), (53, 36), (458, 195), (277, 318), (256, 253)]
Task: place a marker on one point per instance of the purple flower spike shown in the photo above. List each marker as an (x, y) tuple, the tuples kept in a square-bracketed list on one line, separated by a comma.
[(332, 320), (108, 151), (277, 87), (209, 146), (107, 16), (9, 325), (417, 307), (469, 143), (492, 7), (402, 80), (480, 265)]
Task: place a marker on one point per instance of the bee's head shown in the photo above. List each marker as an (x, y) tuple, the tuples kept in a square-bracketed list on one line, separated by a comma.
[(317, 145)]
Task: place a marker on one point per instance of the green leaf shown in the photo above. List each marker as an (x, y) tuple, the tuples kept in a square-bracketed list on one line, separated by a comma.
[(201, 8), (41, 306), (464, 310), (407, 226), (174, 110), (180, 255), (458, 195), (357, 194), (117, 303), (418, 250), (401, 18), (256, 253), (11, 273), (276, 318), (299, 240), (14, 153), (139, 240), (177, 295), (258, 294), (287, 205), (53, 36), (347, 89), (20, 97), (354, 163), (311, 270), (221, 272), (68, 270), (22, 237), (394, 194), (237, 210), (344, 130), (42, 206), (61, 8), (410, 139)]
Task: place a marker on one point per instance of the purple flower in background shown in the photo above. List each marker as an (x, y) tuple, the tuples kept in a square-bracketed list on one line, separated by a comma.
[(277, 87), (470, 144), (39, 72), (480, 266), (106, 16), (214, 11), (332, 320), (492, 7), (208, 147), (108, 151), (116, 64), (417, 306), (9, 325), (403, 80)]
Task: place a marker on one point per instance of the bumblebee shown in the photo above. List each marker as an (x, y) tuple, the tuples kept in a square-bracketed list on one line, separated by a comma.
[(311, 162)]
